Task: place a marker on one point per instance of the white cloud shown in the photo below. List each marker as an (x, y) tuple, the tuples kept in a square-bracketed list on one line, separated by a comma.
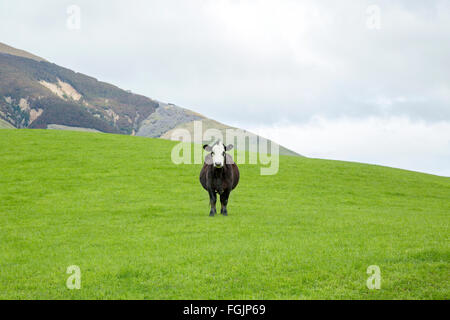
[(394, 141)]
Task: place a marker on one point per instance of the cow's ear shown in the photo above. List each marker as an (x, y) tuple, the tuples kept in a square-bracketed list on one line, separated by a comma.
[(207, 148), (228, 147)]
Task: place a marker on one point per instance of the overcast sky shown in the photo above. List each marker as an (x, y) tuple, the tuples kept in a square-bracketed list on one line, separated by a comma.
[(362, 80)]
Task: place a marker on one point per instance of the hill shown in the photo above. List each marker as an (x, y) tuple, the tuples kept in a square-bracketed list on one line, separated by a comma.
[(35, 93), (4, 48), (168, 118), (138, 227)]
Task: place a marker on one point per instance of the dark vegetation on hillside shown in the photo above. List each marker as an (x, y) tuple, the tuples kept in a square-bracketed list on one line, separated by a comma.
[(19, 79), (62, 112)]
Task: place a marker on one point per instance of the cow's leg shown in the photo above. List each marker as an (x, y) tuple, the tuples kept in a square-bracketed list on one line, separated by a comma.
[(212, 202), (224, 201)]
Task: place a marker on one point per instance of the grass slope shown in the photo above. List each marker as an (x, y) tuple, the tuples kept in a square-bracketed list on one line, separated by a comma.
[(138, 226), (213, 124)]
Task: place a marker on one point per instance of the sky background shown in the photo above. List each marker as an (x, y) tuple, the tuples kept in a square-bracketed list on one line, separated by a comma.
[(364, 81)]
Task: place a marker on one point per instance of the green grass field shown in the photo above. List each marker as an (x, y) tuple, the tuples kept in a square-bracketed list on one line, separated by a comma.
[(138, 225)]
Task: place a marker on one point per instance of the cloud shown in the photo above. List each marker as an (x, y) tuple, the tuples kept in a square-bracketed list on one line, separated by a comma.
[(394, 141)]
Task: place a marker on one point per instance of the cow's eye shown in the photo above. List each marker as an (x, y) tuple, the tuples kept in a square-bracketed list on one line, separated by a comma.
[(212, 153)]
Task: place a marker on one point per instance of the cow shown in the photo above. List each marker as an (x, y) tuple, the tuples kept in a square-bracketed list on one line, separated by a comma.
[(219, 175)]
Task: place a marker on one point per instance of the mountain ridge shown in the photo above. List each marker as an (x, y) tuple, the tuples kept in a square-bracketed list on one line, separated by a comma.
[(35, 93), (18, 52)]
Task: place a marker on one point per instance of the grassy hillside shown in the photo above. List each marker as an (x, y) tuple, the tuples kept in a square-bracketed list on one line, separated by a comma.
[(138, 226), (212, 124)]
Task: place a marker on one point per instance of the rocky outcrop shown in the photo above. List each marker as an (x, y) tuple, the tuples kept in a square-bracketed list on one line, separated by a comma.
[(165, 118), (62, 89)]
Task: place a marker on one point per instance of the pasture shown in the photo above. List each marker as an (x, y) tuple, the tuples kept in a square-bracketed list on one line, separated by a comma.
[(138, 225)]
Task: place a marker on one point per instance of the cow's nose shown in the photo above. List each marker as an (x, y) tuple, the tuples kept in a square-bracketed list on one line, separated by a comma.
[(218, 164)]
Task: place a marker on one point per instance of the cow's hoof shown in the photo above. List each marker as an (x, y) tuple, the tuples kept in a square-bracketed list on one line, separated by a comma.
[(211, 214), (225, 213)]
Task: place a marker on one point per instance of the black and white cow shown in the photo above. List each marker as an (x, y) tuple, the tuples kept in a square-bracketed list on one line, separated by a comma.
[(219, 175)]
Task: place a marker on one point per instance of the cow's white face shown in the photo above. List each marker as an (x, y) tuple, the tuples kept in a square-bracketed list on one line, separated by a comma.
[(218, 155)]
